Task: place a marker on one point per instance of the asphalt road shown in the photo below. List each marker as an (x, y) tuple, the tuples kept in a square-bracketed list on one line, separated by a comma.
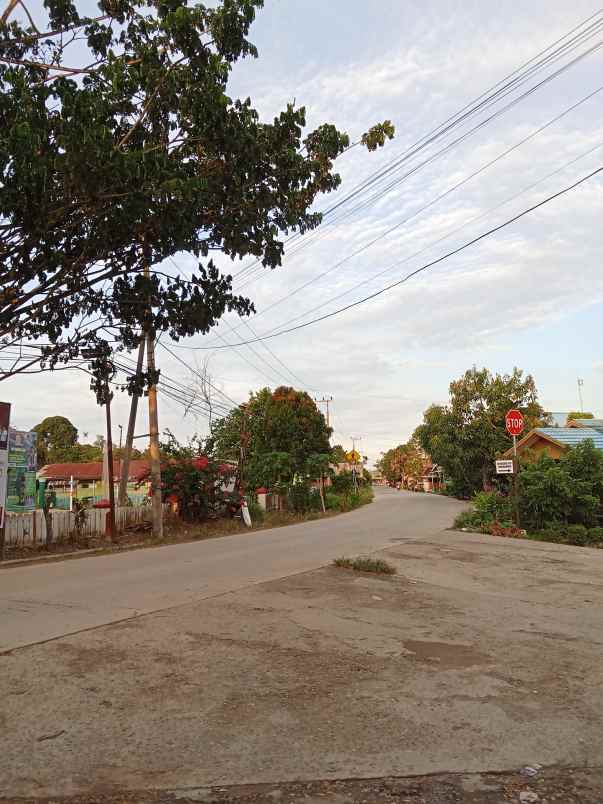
[(43, 602)]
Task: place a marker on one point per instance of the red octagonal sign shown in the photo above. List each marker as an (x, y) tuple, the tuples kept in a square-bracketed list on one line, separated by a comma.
[(514, 422)]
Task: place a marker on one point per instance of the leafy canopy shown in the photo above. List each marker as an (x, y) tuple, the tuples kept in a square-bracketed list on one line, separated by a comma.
[(277, 434), (111, 168), (467, 434), (403, 461)]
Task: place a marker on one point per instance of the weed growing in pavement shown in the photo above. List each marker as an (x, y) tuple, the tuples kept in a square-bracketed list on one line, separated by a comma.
[(366, 564)]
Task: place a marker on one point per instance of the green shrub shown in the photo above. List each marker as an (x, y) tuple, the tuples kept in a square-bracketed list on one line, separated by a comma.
[(490, 506), (576, 534), (343, 483), (467, 519), (303, 498), (595, 537), (348, 501), (560, 533)]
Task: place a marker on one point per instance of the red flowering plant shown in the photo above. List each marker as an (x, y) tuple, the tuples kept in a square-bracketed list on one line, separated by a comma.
[(197, 484)]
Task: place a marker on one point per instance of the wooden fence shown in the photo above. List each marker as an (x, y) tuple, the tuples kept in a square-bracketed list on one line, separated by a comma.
[(23, 529)]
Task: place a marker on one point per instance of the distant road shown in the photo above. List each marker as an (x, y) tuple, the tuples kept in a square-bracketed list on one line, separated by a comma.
[(46, 601)]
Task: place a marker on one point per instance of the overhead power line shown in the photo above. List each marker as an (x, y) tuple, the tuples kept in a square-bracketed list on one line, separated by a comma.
[(430, 203), (435, 242), (425, 267), (483, 101)]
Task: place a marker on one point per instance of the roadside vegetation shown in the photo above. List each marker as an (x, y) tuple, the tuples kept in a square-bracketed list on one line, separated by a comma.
[(558, 501), (365, 564)]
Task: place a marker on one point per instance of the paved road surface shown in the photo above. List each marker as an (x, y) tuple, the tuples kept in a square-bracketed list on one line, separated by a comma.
[(43, 602)]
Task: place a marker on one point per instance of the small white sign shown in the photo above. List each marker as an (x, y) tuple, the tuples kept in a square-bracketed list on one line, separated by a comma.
[(504, 467)]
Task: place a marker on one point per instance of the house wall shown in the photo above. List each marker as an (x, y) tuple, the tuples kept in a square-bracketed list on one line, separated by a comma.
[(541, 445), (93, 491)]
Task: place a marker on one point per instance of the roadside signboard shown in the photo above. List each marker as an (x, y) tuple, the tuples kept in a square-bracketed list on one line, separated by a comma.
[(21, 483), (4, 425), (504, 467), (514, 422), (353, 456)]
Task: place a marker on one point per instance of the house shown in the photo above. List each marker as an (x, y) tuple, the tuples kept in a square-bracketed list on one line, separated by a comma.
[(597, 424), (433, 479), (556, 440), (83, 481)]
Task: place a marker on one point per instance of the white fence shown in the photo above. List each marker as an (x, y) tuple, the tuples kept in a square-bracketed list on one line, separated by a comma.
[(23, 529)]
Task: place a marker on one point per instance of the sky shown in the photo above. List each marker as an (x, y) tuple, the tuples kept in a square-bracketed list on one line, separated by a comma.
[(530, 295)]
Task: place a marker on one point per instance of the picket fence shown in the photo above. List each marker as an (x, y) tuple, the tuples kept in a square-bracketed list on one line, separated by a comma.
[(24, 529)]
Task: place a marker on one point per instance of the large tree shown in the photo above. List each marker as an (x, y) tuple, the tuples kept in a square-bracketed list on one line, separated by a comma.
[(466, 435), (119, 148), (402, 461), (55, 434), (275, 435)]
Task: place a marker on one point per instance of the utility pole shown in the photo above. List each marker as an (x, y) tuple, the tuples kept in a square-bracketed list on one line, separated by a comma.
[(112, 531), (354, 440), (154, 442), (95, 354), (580, 384), (122, 498), (327, 400)]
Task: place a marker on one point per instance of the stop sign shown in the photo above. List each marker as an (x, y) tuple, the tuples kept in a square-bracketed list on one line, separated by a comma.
[(514, 422)]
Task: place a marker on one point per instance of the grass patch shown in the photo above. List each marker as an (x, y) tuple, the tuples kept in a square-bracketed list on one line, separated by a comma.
[(366, 564)]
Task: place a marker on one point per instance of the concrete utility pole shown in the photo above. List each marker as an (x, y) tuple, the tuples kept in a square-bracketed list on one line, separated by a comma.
[(122, 498), (154, 443), (354, 440), (327, 400)]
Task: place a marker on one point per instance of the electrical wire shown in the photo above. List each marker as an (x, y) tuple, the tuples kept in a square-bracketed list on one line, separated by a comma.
[(417, 271), (431, 203), (448, 234), (483, 101)]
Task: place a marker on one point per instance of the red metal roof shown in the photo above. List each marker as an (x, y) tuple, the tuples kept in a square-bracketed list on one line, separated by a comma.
[(139, 470)]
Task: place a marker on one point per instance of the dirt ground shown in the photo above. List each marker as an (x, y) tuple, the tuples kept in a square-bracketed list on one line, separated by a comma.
[(567, 785), (480, 656)]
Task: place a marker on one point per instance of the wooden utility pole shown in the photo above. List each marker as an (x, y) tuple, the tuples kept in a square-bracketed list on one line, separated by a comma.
[(154, 442), (122, 498), (112, 530)]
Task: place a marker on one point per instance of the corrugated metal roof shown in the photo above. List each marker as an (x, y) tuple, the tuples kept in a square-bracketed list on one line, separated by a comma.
[(571, 436), (596, 423)]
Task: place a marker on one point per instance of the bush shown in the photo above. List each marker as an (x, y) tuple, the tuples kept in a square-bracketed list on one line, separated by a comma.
[(467, 519), (565, 491), (560, 533), (595, 537), (343, 483), (491, 506), (348, 501), (303, 498)]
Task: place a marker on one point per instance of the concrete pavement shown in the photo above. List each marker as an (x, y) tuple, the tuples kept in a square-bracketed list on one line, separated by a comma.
[(481, 654), (43, 602)]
